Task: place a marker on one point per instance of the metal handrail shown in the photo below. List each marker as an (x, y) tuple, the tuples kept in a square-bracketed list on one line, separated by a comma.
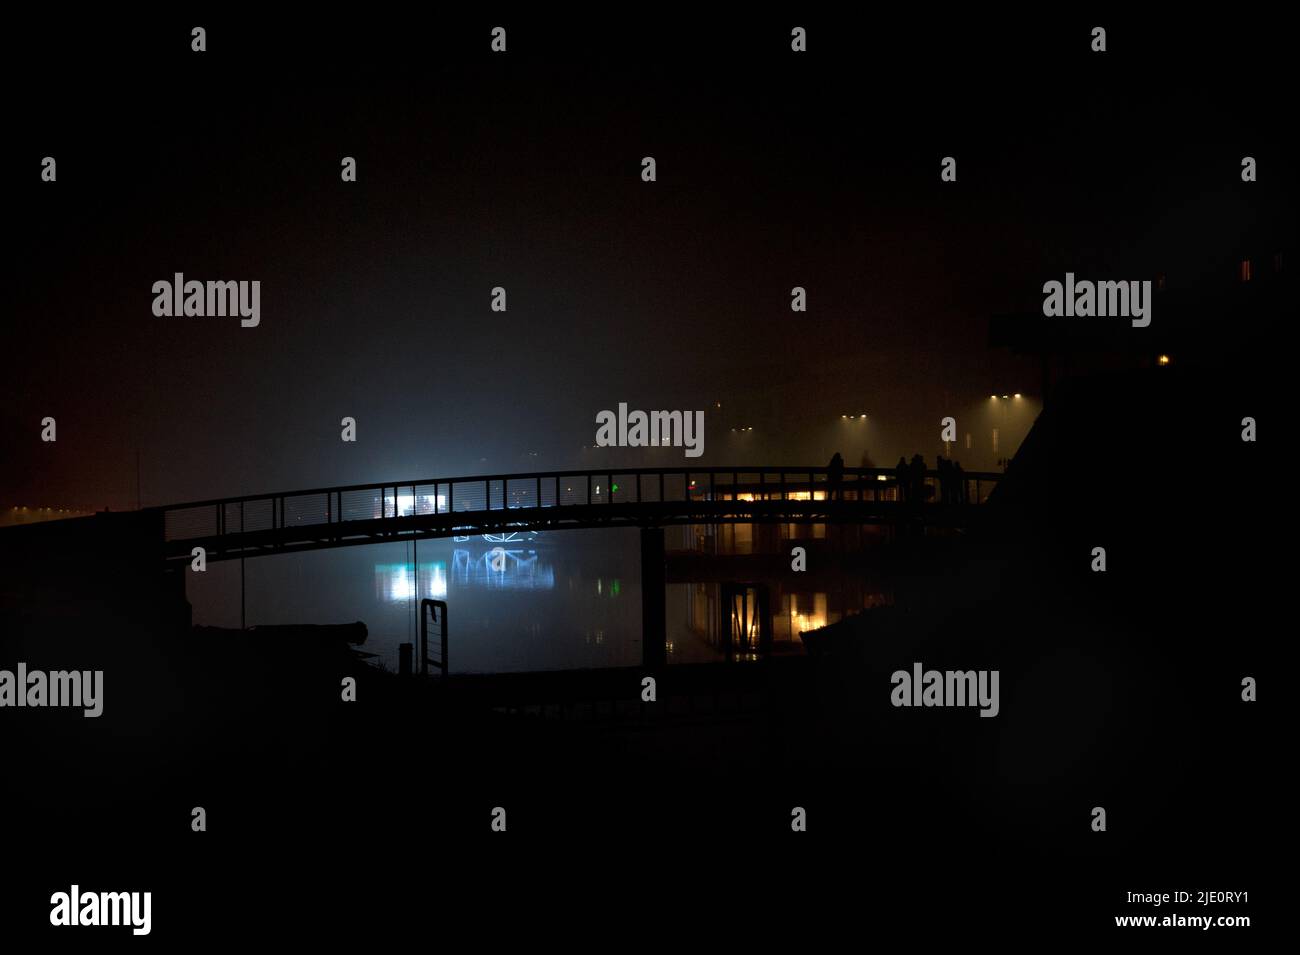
[(435, 605)]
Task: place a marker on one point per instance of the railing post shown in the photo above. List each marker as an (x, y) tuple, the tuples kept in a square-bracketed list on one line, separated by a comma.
[(426, 605), (653, 598), (444, 666)]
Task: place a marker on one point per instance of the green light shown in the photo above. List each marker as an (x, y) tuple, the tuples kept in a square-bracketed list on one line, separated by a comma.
[(613, 489)]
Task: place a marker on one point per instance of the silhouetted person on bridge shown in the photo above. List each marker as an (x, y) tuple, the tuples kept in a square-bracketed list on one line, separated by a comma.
[(835, 475), (916, 473), (901, 478), (950, 481), (959, 483)]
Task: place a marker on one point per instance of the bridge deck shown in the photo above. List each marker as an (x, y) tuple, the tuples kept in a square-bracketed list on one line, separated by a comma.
[(231, 528)]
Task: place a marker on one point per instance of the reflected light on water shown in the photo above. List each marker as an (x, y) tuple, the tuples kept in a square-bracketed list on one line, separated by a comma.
[(501, 568), (395, 583), (807, 618)]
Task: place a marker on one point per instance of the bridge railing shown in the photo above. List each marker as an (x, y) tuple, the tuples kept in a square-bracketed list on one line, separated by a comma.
[(435, 496)]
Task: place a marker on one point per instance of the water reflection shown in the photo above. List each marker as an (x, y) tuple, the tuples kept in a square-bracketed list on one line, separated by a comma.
[(561, 601), (556, 602), (716, 619), (395, 583), (501, 568), (495, 568)]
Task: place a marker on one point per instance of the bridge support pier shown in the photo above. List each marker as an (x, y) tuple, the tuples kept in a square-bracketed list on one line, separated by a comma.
[(654, 616)]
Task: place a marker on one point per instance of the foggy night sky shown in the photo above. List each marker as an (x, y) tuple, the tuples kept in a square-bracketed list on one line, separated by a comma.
[(523, 170)]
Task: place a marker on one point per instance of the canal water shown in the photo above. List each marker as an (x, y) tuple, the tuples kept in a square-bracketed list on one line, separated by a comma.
[(531, 601)]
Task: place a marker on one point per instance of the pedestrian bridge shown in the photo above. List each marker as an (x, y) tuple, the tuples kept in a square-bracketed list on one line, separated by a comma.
[(240, 527)]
